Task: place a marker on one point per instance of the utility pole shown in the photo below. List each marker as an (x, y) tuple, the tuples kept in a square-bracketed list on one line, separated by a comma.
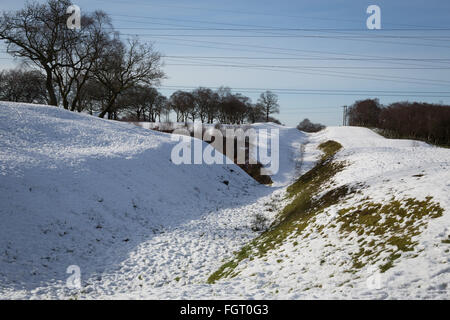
[(344, 116)]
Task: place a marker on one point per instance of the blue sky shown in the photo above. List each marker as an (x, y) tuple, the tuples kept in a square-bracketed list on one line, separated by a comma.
[(315, 71)]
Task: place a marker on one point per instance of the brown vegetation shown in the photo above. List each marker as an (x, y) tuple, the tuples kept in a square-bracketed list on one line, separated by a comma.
[(413, 120)]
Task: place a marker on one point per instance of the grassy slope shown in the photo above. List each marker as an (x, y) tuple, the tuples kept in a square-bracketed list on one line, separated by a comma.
[(383, 231)]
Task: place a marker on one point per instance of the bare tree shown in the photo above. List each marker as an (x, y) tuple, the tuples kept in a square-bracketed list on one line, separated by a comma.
[(124, 66), (206, 102), (416, 120), (233, 108), (80, 51), (150, 98), (224, 93), (182, 103), (307, 126), (269, 101), (255, 113), (93, 96), (143, 103), (23, 86), (364, 113), (161, 107), (133, 101), (34, 33)]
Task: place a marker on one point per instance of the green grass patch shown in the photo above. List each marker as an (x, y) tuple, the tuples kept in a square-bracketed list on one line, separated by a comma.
[(392, 227)]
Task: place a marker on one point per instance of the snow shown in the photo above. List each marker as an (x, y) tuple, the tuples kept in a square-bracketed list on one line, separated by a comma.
[(315, 267), (104, 195), (291, 141), (78, 190)]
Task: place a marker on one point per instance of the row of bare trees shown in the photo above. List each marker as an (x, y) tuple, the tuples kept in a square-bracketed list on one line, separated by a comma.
[(307, 126), (415, 120), (91, 68), (144, 103), (23, 86), (223, 106)]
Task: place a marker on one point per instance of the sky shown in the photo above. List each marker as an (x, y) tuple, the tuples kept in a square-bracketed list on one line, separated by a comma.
[(316, 55)]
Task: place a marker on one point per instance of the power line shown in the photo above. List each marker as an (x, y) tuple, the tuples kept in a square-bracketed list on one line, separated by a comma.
[(325, 37), (233, 24), (313, 67), (255, 36), (348, 37), (316, 90), (386, 93), (310, 112), (272, 48), (280, 28), (344, 36), (307, 73), (350, 75), (263, 29), (285, 51), (190, 28), (334, 74), (306, 58), (271, 14)]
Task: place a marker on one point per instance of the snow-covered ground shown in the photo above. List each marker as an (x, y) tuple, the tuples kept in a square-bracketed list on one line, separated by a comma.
[(316, 263), (104, 195)]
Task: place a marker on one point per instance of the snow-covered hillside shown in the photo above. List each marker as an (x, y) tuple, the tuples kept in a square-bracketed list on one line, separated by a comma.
[(104, 195), (78, 190), (387, 235)]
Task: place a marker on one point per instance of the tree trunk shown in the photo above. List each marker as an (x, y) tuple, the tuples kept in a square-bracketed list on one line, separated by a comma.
[(109, 107), (53, 101), (66, 103), (103, 113)]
